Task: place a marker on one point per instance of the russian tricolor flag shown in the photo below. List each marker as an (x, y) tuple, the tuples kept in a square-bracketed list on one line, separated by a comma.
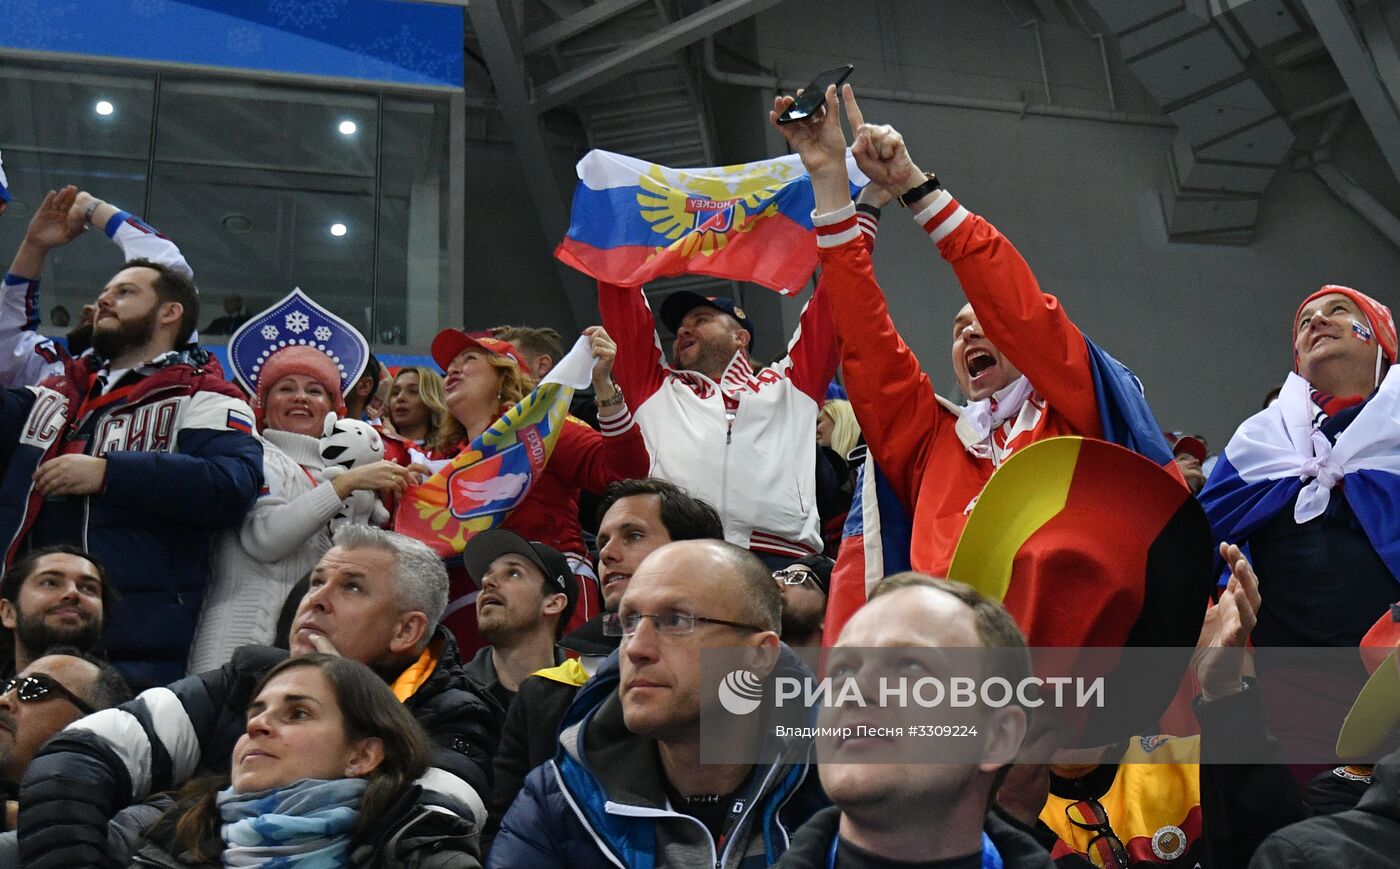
[(4, 184), (635, 221), (1277, 460)]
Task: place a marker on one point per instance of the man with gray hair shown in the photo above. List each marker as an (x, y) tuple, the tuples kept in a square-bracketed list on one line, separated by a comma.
[(376, 597)]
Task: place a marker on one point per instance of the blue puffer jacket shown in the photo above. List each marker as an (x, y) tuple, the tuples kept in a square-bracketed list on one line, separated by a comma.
[(601, 800)]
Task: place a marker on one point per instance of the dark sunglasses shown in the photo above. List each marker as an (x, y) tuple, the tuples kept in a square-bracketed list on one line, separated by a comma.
[(32, 689), (1105, 850)]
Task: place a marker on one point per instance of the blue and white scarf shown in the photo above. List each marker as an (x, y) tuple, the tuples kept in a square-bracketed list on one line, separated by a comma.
[(1279, 459), (306, 825)]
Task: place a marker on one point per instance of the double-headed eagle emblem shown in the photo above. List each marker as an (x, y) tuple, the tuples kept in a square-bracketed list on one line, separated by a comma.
[(702, 213)]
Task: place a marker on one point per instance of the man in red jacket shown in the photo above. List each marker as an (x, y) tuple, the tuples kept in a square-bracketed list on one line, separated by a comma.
[(1022, 365)]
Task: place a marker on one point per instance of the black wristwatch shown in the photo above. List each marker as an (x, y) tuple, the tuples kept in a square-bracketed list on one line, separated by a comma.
[(931, 183)]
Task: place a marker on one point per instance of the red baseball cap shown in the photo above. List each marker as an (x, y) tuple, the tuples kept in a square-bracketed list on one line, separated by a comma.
[(1185, 443), (450, 343)]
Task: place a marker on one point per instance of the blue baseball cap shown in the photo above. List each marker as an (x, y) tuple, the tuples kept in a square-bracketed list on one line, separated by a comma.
[(682, 302)]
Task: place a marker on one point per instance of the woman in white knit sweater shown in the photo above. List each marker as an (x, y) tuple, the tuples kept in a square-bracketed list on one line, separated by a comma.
[(254, 566)]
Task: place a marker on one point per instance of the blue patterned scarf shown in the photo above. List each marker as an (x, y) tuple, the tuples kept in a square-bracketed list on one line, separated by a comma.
[(306, 825)]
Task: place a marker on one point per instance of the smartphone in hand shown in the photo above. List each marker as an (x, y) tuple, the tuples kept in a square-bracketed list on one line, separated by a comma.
[(813, 97)]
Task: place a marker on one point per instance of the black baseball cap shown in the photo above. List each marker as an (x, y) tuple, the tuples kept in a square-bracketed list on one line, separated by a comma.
[(682, 302), (487, 546)]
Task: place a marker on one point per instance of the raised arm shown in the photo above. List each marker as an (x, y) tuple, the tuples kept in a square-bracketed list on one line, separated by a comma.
[(592, 460), (1027, 325), (27, 357), (812, 355), (641, 365), (893, 399), (137, 239)]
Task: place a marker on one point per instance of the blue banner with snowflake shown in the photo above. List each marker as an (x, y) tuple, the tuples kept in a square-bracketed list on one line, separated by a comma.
[(372, 40)]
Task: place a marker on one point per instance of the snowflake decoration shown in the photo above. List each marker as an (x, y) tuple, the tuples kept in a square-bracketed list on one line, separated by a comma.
[(245, 40), (150, 8), (304, 14), (269, 332), (39, 23), (322, 333), (298, 322), (406, 51)]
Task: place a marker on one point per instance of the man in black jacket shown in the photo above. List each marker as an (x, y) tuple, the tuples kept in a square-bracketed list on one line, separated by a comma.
[(900, 814), (1366, 837), (375, 597), (637, 517)]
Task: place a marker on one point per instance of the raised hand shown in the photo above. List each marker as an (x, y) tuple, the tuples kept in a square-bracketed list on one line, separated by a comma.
[(1220, 653), (819, 140), (880, 152), (49, 227)]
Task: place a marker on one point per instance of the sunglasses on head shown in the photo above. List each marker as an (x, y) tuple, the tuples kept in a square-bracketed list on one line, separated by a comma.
[(32, 689), (795, 576), (1105, 850)]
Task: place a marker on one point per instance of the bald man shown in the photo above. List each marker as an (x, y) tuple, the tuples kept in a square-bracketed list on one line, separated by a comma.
[(639, 717)]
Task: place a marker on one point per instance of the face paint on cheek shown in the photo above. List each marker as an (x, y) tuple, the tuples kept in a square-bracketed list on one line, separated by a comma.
[(1361, 332)]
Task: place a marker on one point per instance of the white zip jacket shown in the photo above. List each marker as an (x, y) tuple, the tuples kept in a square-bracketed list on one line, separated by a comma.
[(746, 445)]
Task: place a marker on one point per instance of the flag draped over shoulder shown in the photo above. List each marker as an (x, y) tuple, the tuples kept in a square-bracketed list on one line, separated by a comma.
[(1277, 459), (875, 541), (635, 221), (479, 488)]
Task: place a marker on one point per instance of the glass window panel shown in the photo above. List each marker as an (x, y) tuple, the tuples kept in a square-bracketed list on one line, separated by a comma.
[(52, 136), (411, 302), (268, 126), (254, 178)]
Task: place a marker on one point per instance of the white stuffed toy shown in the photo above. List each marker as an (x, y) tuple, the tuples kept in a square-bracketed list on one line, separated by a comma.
[(347, 444)]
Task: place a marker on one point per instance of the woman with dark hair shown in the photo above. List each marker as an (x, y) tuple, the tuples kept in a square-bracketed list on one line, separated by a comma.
[(326, 775)]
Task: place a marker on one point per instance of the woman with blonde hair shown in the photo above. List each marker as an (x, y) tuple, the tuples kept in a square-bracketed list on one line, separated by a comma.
[(837, 428), (417, 406), (838, 435), (485, 378)]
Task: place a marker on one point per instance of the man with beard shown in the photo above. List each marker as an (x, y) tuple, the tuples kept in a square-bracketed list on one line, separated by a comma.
[(139, 450), (713, 423), (26, 356), (527, 592), (805, 584), (55, 596)]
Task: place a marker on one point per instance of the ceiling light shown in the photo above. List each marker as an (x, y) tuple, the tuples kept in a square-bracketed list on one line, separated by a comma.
[(339, 229), (103, 108), (348, 128)]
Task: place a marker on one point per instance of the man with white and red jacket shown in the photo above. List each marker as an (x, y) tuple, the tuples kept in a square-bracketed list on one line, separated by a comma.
[(138, 451), (740, 439), (1025, 369)]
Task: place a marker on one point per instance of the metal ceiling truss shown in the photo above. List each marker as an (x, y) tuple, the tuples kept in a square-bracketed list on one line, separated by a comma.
[(1208, 64), (621, 68)]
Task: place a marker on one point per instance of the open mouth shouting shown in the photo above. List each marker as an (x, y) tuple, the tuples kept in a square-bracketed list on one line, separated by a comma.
[(980, 364)]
